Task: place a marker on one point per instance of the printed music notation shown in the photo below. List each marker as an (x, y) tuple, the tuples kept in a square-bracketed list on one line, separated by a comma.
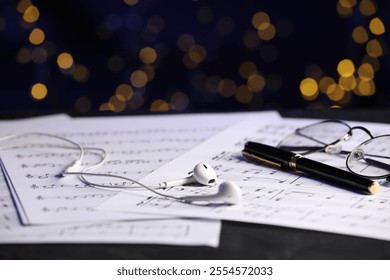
[(270, 196), (168, 231), (45, 162), (133, 151)]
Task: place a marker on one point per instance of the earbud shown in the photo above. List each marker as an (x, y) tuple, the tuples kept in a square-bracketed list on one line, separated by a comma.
[(228, 192), (202, 173)]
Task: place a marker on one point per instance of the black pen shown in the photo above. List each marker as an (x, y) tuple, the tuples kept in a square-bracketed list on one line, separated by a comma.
[(294, 162)]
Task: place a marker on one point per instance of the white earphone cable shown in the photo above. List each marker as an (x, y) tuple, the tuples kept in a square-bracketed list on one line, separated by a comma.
[(68, 170), (78, 146), (118, 177)]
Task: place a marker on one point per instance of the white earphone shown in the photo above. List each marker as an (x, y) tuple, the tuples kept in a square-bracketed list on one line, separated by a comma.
[(202, 173), (228, 192)]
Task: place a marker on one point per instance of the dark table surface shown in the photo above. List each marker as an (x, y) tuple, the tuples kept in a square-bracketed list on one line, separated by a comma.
[(238, 240)]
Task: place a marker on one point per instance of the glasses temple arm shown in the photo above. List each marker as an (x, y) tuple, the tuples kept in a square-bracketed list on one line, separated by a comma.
[(364, 129), (311, 149), (308, 137)]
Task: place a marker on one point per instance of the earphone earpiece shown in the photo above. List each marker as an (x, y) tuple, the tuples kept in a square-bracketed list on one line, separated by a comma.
[(228, 192), (203, 173)]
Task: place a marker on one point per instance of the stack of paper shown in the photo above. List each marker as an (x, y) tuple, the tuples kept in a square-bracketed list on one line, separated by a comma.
[(52, 209), (38, 206)]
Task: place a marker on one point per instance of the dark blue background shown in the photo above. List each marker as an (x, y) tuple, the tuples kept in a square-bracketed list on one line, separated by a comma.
[(318, 36)]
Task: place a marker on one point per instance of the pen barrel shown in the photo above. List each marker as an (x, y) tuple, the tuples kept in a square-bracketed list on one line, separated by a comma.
[(334, 175)]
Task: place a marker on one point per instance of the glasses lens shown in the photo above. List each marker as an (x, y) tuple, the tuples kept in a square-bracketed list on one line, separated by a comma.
[(371, 158), (315, 137)]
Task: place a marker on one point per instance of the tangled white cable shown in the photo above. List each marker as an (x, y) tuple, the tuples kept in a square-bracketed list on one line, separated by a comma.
[(228, 192)]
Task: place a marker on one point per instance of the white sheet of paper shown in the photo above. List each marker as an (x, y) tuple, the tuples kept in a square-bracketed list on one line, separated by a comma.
[(135, 147), (270, 196), (166, 231)]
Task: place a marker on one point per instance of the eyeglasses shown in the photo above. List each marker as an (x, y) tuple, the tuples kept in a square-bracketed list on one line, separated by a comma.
[(370, 159)]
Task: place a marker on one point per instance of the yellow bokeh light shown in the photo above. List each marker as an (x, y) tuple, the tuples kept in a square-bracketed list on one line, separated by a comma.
[(374, 48), (138, 79), (343, 11), (148, 55), (117, 104), (37, 36), (364, 87), (124, 92), (247, 68), (309, 89), (160, 105), (106, 107), (23, 5), (185, 42), (376, 26), (244, 94), (188, 63), (346, 67), (23, 56), (268, 33), (136, 101), (80, 73), (347, 82), (367, 7), (347, 3), (39, 91), (256, 82), (260, 18), (336, 94), (31, 14), (366, 71), (264, 26), (197, 53), (227, 87), (360, 35), (180, 100), (65, 60)]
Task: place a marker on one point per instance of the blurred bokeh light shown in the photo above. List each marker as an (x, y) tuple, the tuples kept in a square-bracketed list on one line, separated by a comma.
[(193, 55)]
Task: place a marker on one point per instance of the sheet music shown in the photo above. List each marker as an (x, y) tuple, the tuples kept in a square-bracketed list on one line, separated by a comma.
[(270, 196), (164, 231), (135, 147)]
